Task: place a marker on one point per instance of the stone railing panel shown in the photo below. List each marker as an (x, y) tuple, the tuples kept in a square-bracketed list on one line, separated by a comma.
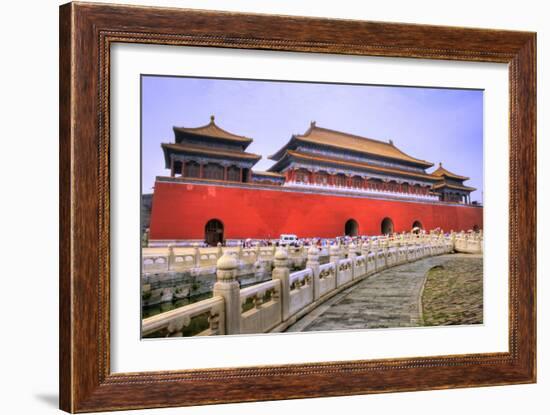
[(431, 249), (380, 260), (301, 290), (204, 318), (345, 271), (402, 254), (359, 266), (249, 256), (152, 263), (391, 257), (423, 251), (371, 263), (181, 262), (468, 244), (327, 278), (261, 305), (208, 259), (412, 253)]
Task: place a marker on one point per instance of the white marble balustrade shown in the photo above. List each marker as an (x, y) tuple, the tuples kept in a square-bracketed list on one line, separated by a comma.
[(275, 304)]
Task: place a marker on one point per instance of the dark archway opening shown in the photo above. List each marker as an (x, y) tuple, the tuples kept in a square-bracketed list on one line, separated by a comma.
[(213, 232), (417, 226), (387, 226), (351, 228), (476, 228)]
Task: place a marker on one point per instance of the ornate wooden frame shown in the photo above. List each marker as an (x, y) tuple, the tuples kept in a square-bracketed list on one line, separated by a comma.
[(86, 33)]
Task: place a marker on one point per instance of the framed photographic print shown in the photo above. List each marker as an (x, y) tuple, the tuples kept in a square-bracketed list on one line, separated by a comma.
[(260, 207)]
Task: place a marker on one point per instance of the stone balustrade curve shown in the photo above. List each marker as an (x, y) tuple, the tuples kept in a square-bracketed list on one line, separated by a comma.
[(274, 305)]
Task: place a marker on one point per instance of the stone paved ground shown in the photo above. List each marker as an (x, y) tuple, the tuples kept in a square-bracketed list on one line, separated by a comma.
[(453, 294), (390, 298)]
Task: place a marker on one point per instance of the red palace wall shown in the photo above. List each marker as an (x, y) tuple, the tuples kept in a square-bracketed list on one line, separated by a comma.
[(181, 210)]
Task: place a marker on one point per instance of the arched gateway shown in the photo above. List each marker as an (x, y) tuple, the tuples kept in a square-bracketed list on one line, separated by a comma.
[(417, 224), (387, 226), (213, 232), (351, 228)]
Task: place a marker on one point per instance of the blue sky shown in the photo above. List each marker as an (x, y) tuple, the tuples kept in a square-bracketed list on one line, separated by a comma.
[(428, 123)]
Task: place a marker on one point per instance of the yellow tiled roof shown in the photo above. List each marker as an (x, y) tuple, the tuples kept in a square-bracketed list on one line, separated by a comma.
[(212, 130), (188, 148), (358, 164), (441, 171), (338, 139), (453, 186)]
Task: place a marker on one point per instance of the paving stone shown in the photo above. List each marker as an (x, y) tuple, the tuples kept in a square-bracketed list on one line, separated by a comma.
[(386, 299)]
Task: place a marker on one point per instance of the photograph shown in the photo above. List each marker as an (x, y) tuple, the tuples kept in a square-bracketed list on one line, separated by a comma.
[(275, 207), (278, 206)]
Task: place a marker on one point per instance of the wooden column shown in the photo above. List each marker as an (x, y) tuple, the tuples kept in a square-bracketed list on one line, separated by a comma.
[(225, 173), (183, 168), (201, 171), (171, 167), (241, 174)]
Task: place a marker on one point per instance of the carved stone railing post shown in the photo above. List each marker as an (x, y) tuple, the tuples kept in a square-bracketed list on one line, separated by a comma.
[(313, 264), (170, 257), (386, 250), (281, 272), (352, 254), (335, 254), (197, 254), (352, 250), (453, 238), (219, 252), (344, 250), (258, 252), (365, 249), (227, 287)]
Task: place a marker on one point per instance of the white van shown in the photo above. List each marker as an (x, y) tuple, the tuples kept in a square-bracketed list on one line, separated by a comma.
[(287, 239)]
